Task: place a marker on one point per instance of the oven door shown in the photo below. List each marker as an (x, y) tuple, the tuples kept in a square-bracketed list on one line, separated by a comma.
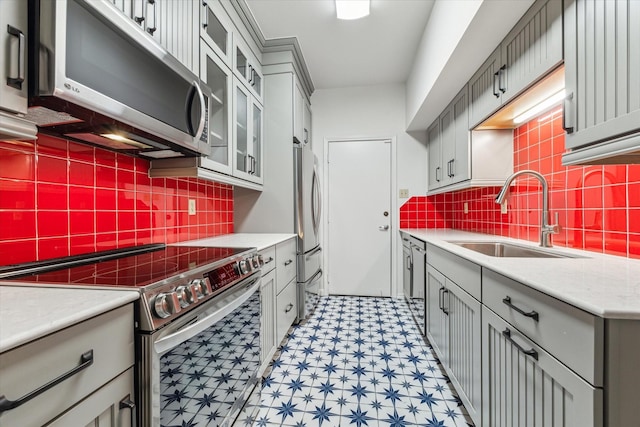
[(202, 369)]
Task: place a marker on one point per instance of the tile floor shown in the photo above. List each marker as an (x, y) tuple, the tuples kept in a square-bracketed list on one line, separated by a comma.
[(358, 362)]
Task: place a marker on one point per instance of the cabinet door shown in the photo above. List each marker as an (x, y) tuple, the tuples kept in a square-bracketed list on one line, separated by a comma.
[(307, 123), (447, 144), (435, 156), (215, 30), (532, 48), (460, 167), (13, 61), (437, 330), (298, 113), (175, 23), (268, 327), (247, 163), (247, 68), (602, 65), (465, 368), (217, 76), (112, 405), (256, 140), (531, 388), (484, 95)]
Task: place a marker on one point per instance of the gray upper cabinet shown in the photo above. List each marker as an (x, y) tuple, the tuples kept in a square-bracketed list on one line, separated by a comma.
[(530, 50), (434, 154), (602, 66)]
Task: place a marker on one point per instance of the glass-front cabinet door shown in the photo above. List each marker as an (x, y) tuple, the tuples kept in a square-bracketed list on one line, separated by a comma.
[(247, 162), (218, 78), (247, 68), (215, 29)]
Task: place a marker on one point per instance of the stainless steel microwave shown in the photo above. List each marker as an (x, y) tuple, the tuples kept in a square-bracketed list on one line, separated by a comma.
[(97, 77)]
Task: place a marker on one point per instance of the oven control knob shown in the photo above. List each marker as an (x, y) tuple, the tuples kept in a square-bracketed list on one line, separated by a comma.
[(260, 260), (185, 296), (243, 267), (198, 288), (165, 305), (255, 262)]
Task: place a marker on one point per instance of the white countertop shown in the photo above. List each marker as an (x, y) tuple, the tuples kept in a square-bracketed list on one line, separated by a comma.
[(241, 240), (604, 285), (28, 313)]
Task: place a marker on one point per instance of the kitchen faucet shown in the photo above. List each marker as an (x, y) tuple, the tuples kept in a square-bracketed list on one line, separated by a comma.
[(546, 229)]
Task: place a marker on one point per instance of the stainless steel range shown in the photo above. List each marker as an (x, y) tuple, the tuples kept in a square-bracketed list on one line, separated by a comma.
[(198, 325)]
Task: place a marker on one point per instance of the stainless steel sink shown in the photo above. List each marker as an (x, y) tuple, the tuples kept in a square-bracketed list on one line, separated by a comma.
[(510, 250)]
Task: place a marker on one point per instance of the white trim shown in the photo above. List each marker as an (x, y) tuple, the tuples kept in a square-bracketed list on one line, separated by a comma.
[(394, 220)]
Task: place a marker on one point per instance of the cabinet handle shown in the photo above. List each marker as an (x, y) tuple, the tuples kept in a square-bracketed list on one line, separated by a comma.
[(16, 82), (409, 266), (495, 80), (306, 136), (249, 74), (86, 360), (268, 260), (129, 404), (445, 310), (453, 172), (567, 103), (205, 11), (501, 71), (247, 163), (437, 170), (440, 293), (287, 262), (289, 307), (507, 334), (153, 29), (532, 314)]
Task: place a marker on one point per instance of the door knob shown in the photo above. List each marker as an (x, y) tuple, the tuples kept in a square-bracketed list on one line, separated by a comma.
[(383, 228)]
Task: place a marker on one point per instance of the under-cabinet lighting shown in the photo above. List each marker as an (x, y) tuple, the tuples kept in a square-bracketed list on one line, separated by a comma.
[(352, 9), (539, 108), (125, 140)]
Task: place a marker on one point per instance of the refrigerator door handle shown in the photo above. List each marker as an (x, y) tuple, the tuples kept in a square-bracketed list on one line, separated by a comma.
[(313, 252), (316, 201), (314, 277)]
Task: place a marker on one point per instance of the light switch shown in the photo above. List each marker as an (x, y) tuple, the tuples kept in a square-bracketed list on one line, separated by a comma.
[(503, 207), (466, 207), (192, 206), (404, 193)]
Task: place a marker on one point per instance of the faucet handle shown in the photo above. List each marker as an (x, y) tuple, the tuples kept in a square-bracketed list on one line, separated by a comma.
[(555, 227)]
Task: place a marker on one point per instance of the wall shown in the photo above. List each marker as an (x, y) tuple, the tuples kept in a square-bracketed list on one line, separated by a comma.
[(598, 206), (372, 111), (59, 198)]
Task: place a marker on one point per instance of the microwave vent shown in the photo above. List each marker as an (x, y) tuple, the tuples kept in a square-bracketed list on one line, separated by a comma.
[(43, 117)]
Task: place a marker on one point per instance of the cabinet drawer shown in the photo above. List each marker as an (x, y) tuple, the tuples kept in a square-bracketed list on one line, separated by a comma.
[(285, 263), (524, 385), (269, 257), (32, 365), (464, 273), (573, 336), (286, 309)]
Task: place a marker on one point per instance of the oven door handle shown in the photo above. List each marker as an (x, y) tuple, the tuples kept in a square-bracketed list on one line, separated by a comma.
[(181, 335)]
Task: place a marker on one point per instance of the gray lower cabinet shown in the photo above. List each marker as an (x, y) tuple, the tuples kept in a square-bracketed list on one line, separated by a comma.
[(453, 329), (268, 331), (523, 385), (602, 65), (108, 407)]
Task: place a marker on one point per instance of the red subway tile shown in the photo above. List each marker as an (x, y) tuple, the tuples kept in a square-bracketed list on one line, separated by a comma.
[(82, 244), (17, 165), (106, 241), (634, 245), (105, 177), (125, 162), (52, 196), (17, 195), (81, 152), (615, 243), (81, 173), (126, 220), (52, 146), (81, 198), (53, 223), (53, 247), (17, 225), (126, 180), (17, 251), (81, 222), (106, 222), (52, 169), (25, 146)]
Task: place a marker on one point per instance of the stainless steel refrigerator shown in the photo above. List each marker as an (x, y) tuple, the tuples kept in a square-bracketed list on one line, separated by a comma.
[(308, 208)]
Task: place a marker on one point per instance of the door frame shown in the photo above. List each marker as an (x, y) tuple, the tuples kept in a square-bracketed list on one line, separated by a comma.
[(394, 224)]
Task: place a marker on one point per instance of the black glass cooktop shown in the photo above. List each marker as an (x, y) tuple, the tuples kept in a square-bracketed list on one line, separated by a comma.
[(132, 271)]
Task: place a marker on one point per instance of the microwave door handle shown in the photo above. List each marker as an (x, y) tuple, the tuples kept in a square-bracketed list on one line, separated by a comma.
[(203, 110)]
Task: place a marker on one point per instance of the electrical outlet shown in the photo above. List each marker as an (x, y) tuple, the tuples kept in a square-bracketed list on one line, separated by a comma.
[(192, 206), (404, 193), (503, 207), (466, 207)]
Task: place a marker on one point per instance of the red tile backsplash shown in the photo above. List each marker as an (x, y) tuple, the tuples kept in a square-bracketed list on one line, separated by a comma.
[(59, 198), (598, 206)]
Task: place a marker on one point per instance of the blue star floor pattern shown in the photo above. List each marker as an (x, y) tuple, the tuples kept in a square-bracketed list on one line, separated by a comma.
[(358, 361)]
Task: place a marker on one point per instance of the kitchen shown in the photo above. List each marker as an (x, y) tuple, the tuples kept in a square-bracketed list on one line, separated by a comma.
[(63, 198)]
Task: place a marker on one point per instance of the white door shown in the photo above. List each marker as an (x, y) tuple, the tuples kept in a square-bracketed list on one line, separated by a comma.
[(359, 217)]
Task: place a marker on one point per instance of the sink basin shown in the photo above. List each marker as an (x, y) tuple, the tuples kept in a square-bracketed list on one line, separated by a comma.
[(510, 250)]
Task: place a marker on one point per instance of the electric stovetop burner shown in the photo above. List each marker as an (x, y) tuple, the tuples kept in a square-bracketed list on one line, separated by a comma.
[(130, 270)]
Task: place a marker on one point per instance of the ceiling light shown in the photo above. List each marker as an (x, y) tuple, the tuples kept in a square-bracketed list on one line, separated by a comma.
[(352, 9), (539, 108)]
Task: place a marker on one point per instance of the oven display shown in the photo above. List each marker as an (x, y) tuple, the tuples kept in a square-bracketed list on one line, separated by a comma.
[(204, 380), (223, 276)]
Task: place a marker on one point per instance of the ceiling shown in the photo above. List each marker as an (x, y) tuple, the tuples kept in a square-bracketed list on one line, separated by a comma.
[(378, 49)]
